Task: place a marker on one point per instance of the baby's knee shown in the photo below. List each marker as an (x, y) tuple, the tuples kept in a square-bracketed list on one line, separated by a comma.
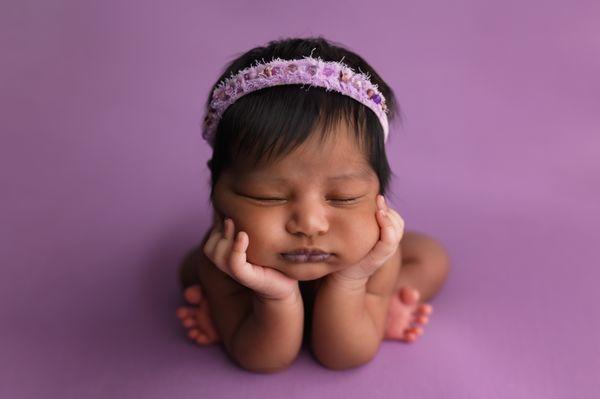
[(421, 248)]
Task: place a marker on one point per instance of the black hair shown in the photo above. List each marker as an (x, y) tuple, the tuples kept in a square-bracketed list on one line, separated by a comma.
[(246, 128)]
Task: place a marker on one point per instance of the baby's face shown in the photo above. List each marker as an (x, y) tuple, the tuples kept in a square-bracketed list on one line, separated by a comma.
[(319, 196)]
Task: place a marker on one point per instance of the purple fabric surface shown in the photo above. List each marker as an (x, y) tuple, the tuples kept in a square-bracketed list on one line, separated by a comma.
[(104, 188)]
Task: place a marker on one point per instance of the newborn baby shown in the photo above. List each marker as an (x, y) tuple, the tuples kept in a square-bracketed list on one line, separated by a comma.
[(303, 243)]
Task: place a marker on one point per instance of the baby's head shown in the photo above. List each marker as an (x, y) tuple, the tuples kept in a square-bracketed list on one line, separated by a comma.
[(299, 166)]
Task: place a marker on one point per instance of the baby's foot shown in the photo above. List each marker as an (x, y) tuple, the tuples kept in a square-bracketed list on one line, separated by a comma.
[(406, 316), (196, 318)]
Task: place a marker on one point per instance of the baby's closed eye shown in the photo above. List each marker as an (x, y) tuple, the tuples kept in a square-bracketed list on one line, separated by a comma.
[(341, 199)]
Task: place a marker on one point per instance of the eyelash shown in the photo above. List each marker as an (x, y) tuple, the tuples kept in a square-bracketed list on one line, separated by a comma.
[(342, 200)]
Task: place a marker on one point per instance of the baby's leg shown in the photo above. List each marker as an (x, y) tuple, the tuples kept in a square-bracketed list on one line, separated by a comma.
[(425, 266), (196, 318)]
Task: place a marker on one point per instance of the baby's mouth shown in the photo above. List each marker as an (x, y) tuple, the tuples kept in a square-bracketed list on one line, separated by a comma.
[(301, 256)]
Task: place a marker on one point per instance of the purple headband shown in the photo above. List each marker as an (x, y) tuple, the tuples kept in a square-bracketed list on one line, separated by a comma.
[(330, 75)]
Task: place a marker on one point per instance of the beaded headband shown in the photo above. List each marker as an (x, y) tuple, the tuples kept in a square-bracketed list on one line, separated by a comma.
[(311, 71)]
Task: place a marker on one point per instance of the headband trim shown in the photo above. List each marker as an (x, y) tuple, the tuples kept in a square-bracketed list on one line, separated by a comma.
[(311, 71)]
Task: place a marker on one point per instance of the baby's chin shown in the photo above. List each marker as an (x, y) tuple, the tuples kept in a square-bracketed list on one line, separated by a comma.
[(307, 271), (303, 273)]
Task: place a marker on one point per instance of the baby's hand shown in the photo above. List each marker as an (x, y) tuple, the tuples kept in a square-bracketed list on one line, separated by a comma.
[(229, 255), (391, 231)]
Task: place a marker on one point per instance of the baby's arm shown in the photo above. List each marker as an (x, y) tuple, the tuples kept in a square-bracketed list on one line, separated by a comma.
[(261, 332), (351, 305), (349, 319), (260, 335)]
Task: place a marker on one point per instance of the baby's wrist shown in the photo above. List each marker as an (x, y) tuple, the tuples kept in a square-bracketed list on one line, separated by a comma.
[(293, 297), (338, 280)]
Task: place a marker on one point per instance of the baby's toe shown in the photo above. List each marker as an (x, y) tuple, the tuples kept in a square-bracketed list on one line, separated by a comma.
[(421, 320), (416, 330), (424, 310), (201, 337), (185, 312), (193, 294), (409, 337), (412, 333), (189, 322), (409, 295), (181, 312), (394, 330), (193, 333)]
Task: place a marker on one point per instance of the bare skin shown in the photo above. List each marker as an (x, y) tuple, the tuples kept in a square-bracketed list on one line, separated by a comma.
[(424, 268), (246, 291)]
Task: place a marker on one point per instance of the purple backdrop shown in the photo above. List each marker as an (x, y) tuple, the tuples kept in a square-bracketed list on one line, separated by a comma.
[(104, 188)]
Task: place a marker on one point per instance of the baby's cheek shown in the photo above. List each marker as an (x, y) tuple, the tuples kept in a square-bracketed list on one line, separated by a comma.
[(362, 235), (261, 239)]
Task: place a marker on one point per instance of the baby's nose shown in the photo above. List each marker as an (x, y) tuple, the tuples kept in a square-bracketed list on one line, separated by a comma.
[(310, 222)]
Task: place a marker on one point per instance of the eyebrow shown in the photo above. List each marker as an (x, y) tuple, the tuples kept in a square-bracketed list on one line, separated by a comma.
[(362, 175)]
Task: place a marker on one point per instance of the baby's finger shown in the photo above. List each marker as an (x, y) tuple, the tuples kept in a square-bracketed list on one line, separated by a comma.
[(387, 243), (398, 222), (228, 228), (218, 222), (237, 259), (387, 228), (380, 202), (211, 243), (393, 215), (251, 276), (224, 245)]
